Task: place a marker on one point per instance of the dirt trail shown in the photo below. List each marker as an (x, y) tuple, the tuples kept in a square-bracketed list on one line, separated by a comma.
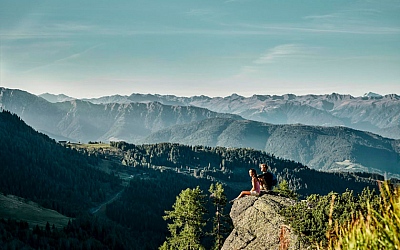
[(96, 209)]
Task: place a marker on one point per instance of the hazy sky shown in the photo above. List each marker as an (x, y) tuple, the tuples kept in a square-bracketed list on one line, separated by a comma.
[(192, 47)]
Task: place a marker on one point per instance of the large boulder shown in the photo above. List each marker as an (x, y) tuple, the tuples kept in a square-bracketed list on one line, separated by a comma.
[(258, 224)]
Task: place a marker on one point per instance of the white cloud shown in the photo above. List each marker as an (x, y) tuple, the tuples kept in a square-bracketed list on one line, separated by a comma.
[(283, 51), (361, 18), (38, 30), (340, 27), (64, 59)]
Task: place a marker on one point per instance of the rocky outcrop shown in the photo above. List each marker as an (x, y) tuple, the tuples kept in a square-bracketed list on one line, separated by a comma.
[(258, 225)]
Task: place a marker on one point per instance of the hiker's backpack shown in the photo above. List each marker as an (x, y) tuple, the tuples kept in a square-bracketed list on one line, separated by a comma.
[(274, 180), (270, 180)]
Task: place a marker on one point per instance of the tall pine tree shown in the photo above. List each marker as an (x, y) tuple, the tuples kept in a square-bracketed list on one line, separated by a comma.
[(221, 225), (187, 221)]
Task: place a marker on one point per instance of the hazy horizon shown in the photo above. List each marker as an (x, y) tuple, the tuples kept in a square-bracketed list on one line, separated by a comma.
[(215, 96)]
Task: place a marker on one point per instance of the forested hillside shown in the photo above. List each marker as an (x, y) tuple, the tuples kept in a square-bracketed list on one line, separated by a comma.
[(230, 165), (319, 147), (35, 167)]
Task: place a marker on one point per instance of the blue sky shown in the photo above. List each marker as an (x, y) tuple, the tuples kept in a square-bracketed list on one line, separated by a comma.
[(194, 47)]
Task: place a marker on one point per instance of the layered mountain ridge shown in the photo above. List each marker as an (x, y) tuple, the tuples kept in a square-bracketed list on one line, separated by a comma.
[(82, 121), (156, 118), (323, 148), (371, 112)]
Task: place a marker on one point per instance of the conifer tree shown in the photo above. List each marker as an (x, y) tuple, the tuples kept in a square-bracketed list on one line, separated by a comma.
[(284, 189), (220, 225), (187, 221)]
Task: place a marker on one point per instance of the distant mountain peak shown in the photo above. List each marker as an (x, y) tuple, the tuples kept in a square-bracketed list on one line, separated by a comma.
[(56, 98), (235, 95), (371, 94)]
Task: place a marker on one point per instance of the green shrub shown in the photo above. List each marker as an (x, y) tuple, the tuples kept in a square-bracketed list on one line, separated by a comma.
[(379, 228), (314, 217)]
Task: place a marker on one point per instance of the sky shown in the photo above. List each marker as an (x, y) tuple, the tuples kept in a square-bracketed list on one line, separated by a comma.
[(97, 48)]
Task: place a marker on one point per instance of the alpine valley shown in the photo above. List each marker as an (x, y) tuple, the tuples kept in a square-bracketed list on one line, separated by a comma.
[(90, 196), (103, 173)]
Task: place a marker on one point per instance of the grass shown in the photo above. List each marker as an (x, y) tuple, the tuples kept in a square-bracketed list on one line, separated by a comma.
[(12, 207), (378, 229)]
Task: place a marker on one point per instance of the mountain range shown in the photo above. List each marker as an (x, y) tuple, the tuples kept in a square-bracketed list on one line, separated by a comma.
[(197, 121), (82, 121), (371, 112)]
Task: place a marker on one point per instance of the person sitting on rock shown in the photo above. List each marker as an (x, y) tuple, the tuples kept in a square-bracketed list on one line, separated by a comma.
[(267, 179), (255, 190)]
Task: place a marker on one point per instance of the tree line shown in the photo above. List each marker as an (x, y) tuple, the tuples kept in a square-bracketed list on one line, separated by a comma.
[(231, 165)]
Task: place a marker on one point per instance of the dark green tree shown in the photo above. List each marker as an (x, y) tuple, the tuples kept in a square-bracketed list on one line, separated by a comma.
[(220, 223), (187, 221), (284, 189)]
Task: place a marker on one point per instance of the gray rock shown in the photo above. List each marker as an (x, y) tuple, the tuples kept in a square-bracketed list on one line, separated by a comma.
[(258, 225)]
